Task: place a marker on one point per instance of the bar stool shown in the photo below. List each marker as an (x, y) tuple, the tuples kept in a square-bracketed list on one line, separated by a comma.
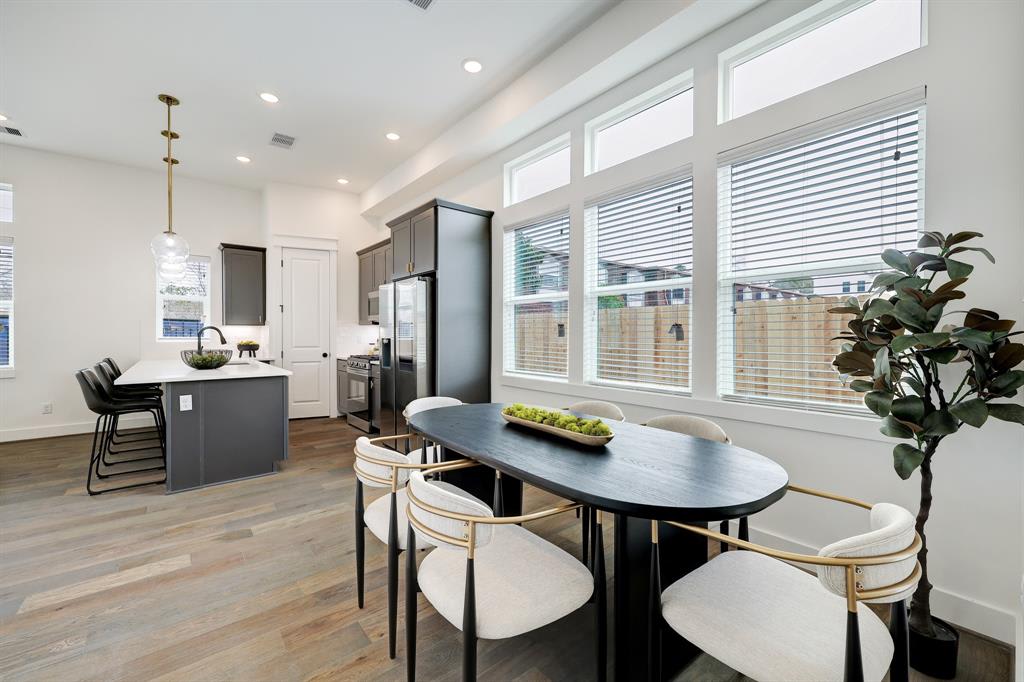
[(107, 410), (107, 373), (104, 378)]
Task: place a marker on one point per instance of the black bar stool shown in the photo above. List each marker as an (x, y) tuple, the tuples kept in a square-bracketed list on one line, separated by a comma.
[(106, 374), (108, 409)]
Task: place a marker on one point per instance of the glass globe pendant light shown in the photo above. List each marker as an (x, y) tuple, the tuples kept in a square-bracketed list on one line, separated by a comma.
[(170, 250)]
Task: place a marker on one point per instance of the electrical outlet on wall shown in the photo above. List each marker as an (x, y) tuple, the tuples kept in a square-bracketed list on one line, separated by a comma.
[(47, 408), (185, 403)]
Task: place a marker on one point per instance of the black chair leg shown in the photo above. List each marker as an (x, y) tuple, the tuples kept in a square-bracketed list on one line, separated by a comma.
[(899, 669), (744, 533), (499, 501), (585, 526), (360, 543), (393, 552), (469, 626), (854, 667), (410, 606), (723, 528), (654, 614), (601, 588)]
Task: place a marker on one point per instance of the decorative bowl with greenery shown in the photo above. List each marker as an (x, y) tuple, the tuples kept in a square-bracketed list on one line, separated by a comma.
[(904, 351), (580, 428), (207, 359)]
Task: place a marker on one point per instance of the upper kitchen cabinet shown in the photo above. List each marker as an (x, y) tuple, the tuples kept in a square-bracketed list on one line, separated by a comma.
[(401, 248), (374, 270), (244, 284), (418, 236)]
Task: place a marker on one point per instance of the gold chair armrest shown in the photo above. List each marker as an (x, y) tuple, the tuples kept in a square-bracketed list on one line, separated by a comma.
[(525, 518), (829, 496), (384, 439)]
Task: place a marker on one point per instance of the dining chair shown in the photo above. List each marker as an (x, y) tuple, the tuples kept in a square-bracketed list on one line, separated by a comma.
[(430, 453), (380, 467), (770, 620), (605, 410), (698, 427), (489, 576), (106, 373)]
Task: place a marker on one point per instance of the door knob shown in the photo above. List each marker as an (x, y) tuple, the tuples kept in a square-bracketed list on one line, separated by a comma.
[(324, 355)]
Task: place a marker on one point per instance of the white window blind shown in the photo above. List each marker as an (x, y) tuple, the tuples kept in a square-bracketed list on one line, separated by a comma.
[(639, 262), (183, 307), (6, 203), (800, 228), (6, 301), (536, 290)]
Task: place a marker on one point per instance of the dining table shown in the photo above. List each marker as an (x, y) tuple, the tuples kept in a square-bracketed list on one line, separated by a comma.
[(641, 475)]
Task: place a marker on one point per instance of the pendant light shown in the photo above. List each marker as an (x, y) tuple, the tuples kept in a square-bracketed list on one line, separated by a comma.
[(169, 249)]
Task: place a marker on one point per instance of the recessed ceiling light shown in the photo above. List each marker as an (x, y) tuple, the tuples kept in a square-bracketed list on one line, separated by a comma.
[(394, 137), (2, 117), (243, 159), (269, 97), (472, 65), (342, 181)]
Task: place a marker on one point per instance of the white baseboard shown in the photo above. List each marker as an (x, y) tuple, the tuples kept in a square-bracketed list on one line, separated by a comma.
[(49, 431), (987, 619)]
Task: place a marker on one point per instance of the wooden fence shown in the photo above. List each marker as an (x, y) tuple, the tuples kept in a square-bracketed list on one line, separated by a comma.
[(781, 348)]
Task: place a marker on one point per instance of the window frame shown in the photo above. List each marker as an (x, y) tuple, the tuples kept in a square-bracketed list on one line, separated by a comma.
[(800, 24), (509, 299), (560, 143), (592, 292), (628, 109), (207, 302)]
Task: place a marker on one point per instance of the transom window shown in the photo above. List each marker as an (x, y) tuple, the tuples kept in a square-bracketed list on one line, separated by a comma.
[(653, 120), (6, 301), (541, 170), (183, 307), (823, 43), (536, 292), (801, 229), (639, 265)]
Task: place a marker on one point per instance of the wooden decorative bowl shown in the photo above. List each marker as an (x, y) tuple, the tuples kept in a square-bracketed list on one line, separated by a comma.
[(581, 438)]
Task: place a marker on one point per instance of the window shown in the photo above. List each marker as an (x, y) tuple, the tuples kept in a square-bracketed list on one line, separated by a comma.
[(6, 203), (183, 307), (639, 262), (6, 302), (539, 171), (654, 119), (537, 297), (824, 43), (804, 221)]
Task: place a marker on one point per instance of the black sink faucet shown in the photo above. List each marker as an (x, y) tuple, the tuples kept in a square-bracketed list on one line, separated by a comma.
[(199, 338)]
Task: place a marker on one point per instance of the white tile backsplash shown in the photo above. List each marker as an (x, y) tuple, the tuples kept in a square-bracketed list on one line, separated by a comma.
[(355, 339)]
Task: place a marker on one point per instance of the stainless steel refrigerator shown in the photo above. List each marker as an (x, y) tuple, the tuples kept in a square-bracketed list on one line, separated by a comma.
[(407, 358)]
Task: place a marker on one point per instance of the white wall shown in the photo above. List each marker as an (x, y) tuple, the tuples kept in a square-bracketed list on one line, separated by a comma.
[(974, 178), (84, 275)]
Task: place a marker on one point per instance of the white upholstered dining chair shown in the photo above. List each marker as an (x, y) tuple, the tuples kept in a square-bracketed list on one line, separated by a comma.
[(429, 451), (770, 620), (380, 467), (699, 427), (489, 576)]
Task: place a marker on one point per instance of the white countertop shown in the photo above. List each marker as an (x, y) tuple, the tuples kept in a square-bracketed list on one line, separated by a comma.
[(166, 371)]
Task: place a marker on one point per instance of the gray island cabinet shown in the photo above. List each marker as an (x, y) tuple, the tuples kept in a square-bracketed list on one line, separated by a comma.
[(223, 424)]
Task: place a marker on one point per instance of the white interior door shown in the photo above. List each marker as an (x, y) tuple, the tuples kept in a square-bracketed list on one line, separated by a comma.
[(306, 334)]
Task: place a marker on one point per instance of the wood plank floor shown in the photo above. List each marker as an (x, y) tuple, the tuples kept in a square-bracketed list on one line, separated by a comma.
[(252, 580)]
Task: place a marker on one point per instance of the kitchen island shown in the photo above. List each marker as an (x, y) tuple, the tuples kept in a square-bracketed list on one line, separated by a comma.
[(223, 424)]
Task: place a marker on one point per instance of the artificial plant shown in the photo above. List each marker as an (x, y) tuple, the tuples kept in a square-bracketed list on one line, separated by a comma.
[(903, 349)]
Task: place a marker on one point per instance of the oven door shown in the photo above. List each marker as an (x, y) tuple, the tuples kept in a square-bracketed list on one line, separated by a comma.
[(357, 398), (373, 306)]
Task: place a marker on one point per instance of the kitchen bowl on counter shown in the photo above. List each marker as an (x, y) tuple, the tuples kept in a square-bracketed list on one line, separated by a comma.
[(206, 359)]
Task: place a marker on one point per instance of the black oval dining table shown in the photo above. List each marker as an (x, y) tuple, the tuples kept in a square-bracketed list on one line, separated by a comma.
[(640, 475)]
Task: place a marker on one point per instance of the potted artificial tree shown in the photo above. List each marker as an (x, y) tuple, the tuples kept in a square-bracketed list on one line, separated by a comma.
[(905, 353)]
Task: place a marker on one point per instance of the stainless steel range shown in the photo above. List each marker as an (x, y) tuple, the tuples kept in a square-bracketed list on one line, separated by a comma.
[(362, 400)]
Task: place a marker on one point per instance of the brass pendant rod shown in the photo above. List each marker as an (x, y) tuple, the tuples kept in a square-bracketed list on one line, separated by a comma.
[(170, 176)]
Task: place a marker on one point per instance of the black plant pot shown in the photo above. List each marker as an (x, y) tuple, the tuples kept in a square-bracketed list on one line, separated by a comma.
[(935, 656)]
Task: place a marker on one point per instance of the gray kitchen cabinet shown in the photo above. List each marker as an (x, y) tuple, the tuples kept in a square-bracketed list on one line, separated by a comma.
[(374, 270), (389, 263), (401, 248), (424, 242), (243, 284)]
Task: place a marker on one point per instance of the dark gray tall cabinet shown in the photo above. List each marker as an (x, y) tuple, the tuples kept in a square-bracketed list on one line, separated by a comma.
[(450, 245), (374, 270), (244, 284)]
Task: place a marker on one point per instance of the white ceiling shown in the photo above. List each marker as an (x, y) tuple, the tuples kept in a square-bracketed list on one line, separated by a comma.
[(81, 77)]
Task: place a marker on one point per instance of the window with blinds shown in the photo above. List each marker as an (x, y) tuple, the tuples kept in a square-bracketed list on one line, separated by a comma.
[(536, 293), (801, 228), (639, 263), (6, 301), (183, 307)]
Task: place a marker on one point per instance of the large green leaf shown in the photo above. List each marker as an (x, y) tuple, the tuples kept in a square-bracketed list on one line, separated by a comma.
[(912, 315), (931, 239), (1007, 383), (878, 402), (972, 339), (939, 423), (950, 285), (886, 279), (915, 385), (973, 412), (881, 363), (958, 269), (943, 356), (892, 427), (1007, 356), (959, 237), (898, 260), (909, 409), (905, 459), (901, 343), (1008, 412), (877, 308), (984, 252), (861, 386), (855, 362)]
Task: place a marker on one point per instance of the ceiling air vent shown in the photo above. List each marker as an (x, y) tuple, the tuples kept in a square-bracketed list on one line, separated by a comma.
[(10, 131), (422, 4), (282, 140)]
